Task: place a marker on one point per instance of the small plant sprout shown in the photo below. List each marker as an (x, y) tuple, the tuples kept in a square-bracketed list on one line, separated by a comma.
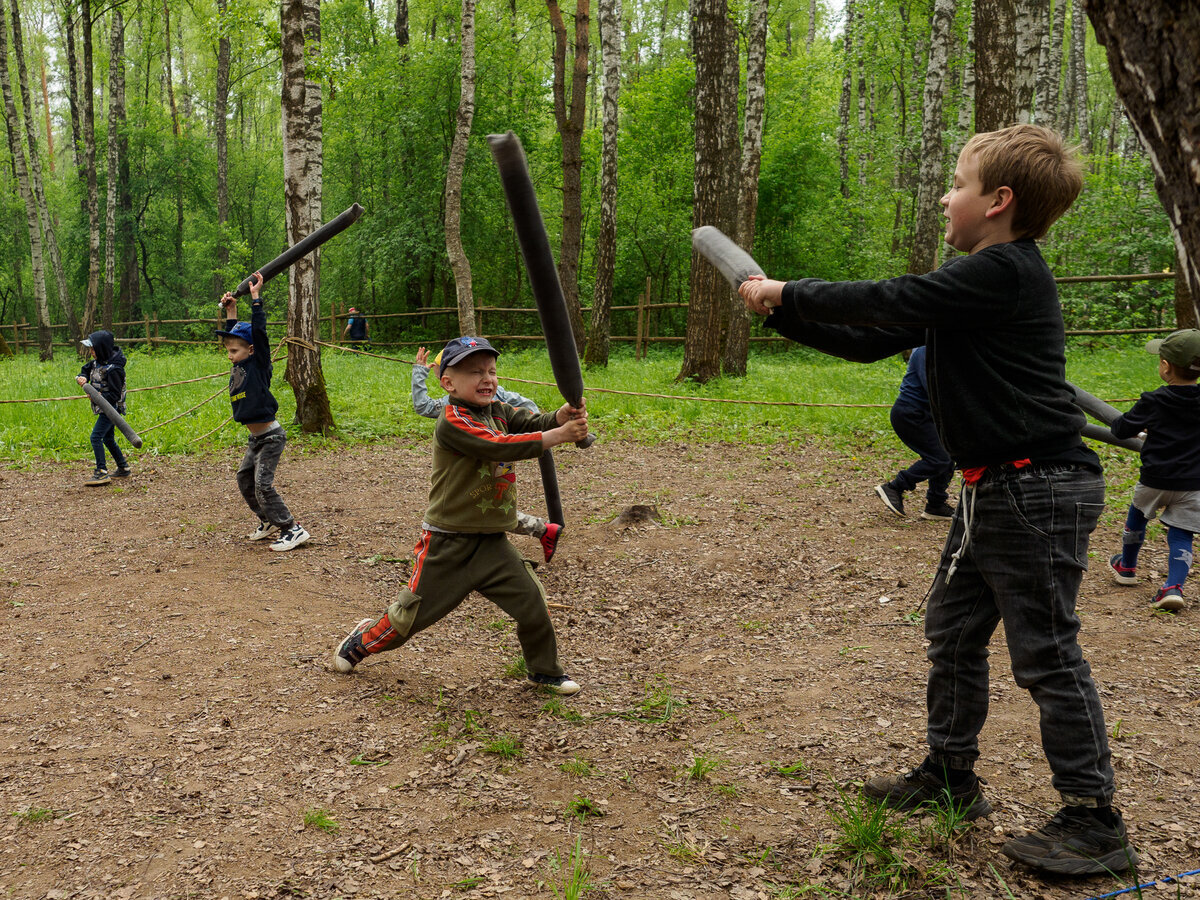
[(555, 708), (570, 878), (504, 746), (321, 819), (700, 767), (584, 808), (516, 668), (797, 769), (33, 815), (577, 768)]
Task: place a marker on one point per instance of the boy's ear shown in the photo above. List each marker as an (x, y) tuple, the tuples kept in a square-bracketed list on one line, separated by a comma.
[(1003, 200), (446, 382)]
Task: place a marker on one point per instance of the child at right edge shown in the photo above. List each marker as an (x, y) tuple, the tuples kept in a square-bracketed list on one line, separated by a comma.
[(1033, 491), (1170, 476)]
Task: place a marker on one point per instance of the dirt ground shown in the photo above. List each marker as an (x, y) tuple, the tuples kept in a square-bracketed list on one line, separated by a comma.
[(169, 715)]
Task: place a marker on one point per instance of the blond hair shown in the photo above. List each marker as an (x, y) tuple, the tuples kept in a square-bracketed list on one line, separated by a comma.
[(1044, 173)]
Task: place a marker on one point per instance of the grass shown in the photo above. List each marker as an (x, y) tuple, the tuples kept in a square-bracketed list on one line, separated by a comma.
[(557, 709), (321, 820), (36, 814), (571, 878), (516, 668), (656, 707), (578, 768), (504, 746), (370, 399), (700, 767), (584, 808)]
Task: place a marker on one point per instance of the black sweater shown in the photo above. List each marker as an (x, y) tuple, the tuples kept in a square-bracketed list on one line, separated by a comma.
[(996, 358), (250, 380), (106, 373), (1170, 416)]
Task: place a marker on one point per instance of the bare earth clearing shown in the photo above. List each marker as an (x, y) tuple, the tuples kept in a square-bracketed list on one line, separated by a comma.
[(166, 688)]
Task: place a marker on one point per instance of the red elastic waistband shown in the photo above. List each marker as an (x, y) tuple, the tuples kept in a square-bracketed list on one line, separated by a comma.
[(974, 474)]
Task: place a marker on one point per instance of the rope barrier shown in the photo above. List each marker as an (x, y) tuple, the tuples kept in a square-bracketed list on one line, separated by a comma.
[(222, 389), (153, 387)]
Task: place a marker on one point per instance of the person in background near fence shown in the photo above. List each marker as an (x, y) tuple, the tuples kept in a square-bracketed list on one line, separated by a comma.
[(106, 372), (356, 328), (1032, 494), (463, 545), (1170, 476), (546, 532), (913, 423), (249, 350)]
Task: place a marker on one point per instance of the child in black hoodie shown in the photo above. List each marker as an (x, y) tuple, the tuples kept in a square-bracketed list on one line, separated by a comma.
[(106, 372)]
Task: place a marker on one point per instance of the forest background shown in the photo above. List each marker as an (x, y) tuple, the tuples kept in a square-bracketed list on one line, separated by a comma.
[(157, 131)]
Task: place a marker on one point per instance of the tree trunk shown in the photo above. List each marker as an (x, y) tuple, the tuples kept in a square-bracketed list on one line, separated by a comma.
[(459, 264), (31, 213), (812, 31), (570, 130), (1028, 15), (116, 74), (931, 176), (220, 111), (89, 154), (1057, 34), (1047, 76), (402, 25), (1185, 306), (606, 244), (995, 61), (843, 134), (1078, 55), (1154, 56), (46, 110), (129, 297), (180, 282), (300, 29), (737, 341), (702, 342), (45, 219), (73, 87)]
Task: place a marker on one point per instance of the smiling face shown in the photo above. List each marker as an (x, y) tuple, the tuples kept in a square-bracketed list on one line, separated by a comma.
[(473, 380), (236, 349), (967, 207)]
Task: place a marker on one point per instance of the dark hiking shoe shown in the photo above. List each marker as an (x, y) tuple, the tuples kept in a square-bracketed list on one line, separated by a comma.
[(922, 787), (550, 538), (1170, 598), (892, 498), (122, 472), (941, 510), (350, 652), (100, 476), (1122, 574), (1075, 842), (559, 684)]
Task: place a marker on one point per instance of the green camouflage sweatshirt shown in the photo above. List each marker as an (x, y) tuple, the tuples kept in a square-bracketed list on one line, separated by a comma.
[(473, 485)]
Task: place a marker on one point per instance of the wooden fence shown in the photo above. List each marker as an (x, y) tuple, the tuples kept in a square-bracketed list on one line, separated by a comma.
[(24, 334)]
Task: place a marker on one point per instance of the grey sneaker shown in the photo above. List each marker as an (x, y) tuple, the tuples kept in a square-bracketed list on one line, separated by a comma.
[(924, 786), (558, 684), (892, 498), (1075, 842), (99, 476), (350, 652), (291, 539)]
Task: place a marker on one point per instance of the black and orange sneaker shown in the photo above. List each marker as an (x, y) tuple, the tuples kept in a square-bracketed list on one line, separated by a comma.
[(550, 538), (350, 652)]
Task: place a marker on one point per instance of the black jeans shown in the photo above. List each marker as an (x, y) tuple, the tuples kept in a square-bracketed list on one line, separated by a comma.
[(1023, 563), (103, 436), (256, 477), (915, 427)]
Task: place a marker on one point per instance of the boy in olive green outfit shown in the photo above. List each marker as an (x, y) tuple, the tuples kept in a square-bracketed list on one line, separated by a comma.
[(463, 547)]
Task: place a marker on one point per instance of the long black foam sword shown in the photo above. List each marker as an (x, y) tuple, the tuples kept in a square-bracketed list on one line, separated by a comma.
[(303, 247), (733, 262), (1106, 413), (113, 416)]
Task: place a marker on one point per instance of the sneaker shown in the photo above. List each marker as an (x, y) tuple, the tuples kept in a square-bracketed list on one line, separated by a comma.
[(100, 476), (264, 528), (924, 786), (941, 510), (1075, 842), (892, 498), (122, 472), (1122, 574), (550, 538), (1169, 598), (559, 684), (291, 539), (350, 652)]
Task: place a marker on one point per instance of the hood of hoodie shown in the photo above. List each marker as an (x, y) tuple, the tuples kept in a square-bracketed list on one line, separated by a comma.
[(106, 349)]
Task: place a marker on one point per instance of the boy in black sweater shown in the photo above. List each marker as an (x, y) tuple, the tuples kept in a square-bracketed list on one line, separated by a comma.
[(106, 372), (996, 364), (1170, 477), (249, 350)]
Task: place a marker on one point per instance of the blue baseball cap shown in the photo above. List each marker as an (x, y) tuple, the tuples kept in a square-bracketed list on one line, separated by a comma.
[(460, 348), (240, 330)]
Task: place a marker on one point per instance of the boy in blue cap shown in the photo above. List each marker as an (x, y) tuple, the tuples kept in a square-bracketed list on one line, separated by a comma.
[(1170, 476), (463, 546), (249, 350)]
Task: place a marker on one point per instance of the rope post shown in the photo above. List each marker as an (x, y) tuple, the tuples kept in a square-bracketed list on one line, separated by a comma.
[(149, 344), (333, 335), (638, 348), (156, 327), (16, 336)]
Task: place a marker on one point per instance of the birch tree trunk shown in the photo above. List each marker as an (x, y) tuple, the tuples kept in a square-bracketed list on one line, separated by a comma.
[(129, 294), (73, 87), (300, 29), (812, 32), (570, 129), (606, 244), (180, 283), (1027, 15), (966, 103), (1154, 56), (737, 341), (995, 60), (459, 264), (116, 63), (220, 111), (1057, 34), (1047, 74), (46, 351), (1079, 58), (702, 341), (45, 219), (89, 155), (843, 135), (931, 174)]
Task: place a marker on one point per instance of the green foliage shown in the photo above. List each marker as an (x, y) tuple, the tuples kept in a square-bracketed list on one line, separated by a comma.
[(322, 820)]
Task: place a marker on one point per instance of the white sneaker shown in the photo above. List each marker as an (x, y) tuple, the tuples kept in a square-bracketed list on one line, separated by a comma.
[(263, 530), (291, 539), (558, 684), (349, 653)]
